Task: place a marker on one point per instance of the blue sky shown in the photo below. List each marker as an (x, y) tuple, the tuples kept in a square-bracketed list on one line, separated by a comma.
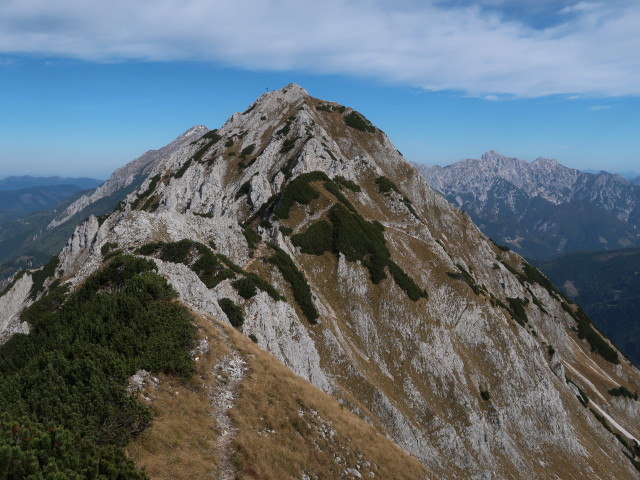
[(87, 86)]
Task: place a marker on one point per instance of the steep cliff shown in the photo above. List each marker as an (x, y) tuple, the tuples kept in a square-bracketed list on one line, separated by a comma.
[(299, 223)]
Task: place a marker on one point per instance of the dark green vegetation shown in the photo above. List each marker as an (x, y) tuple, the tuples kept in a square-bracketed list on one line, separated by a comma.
[(587, 331), (150, 189), (63, 386), (196, 256), (517, 311), (357, 121), (40, 276), (623, 391), (298, 191), (232, 311), (298, 282), (607, 285), (358, 240), (251, 236), (385, 185), (211, 268), (325, 107), (343, 182), (207, 141), (316, 240)]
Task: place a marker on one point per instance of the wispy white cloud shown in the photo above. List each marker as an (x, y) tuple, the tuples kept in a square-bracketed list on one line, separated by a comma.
[(595, 108), (431, 45)]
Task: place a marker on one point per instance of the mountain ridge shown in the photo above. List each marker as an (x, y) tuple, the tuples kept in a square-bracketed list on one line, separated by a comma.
[(512, 199), (28, 181), (454, 347)]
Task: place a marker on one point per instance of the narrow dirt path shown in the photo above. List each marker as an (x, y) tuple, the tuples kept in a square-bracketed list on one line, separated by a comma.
[(228, 373)]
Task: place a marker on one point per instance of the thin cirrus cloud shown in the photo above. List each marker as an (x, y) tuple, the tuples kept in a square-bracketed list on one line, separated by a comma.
[(589, 49)]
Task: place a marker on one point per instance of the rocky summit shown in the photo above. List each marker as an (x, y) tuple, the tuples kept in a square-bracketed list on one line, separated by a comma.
[(300, 224)]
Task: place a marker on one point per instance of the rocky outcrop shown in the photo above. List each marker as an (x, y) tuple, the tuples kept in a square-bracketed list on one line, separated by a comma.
[(12, 302), (466, 372)]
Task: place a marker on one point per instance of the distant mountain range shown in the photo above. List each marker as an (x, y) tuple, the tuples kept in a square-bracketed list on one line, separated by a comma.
[(16, 203), (541, 209), (26, 181)]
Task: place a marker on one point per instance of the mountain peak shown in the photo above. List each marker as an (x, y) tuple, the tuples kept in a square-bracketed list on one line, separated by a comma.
[(546, 162), (300, 224), (495, 156)]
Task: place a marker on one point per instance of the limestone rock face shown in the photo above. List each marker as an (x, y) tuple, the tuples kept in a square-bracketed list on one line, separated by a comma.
[(125, 176), (458, 351), (12, 303)]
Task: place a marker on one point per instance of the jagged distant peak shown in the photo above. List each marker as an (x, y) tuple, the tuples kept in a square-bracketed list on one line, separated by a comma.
[(494, 155)]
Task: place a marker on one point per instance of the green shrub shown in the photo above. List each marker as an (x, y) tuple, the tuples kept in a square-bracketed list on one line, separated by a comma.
[(181, 171), (285, 230), (212, 135), (40, 276), (232, 311), (33, 450), (245, 287), (587, 331), (357, 121), (343, 182), (247, 150), (359, 240), (298, 191), (333, 189), (251, 236), (295, 278), (622, 391), (203, 215), (316, 240), (385, 185), (107, 247), (71, 371), (485, 395), (517, 311), (244, 189), (288, 144), (150, 189), (405, 282)]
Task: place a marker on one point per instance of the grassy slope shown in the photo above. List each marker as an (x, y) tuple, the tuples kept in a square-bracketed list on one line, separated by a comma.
[(284, 425)]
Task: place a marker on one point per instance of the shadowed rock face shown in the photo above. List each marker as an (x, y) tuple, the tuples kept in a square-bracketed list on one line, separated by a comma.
[(542, 209), (453, 347)]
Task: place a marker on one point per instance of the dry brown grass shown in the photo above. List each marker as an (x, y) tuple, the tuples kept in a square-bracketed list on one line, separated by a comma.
[(181, 440), (286, 427)]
